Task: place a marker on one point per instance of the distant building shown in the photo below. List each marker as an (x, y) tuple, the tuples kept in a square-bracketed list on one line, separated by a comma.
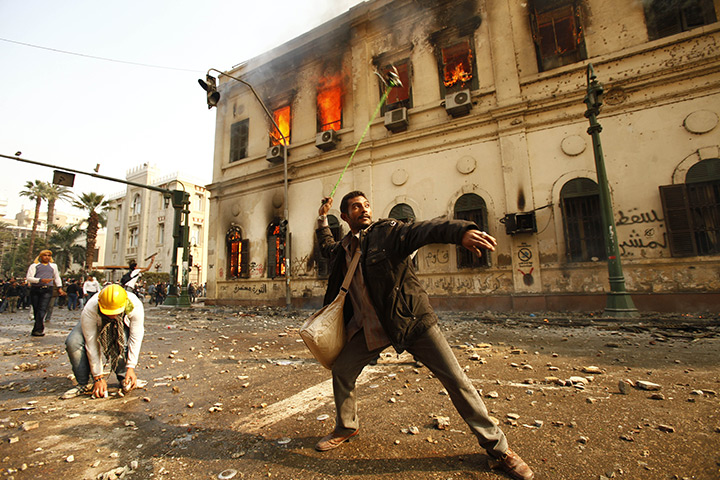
[(488, 125), (140, 223)]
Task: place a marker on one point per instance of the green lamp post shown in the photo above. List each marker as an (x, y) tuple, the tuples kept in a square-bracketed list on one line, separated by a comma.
[(619, 303)]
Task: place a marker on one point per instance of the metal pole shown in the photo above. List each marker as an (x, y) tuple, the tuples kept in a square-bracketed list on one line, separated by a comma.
[(288, 297), (619, 303)]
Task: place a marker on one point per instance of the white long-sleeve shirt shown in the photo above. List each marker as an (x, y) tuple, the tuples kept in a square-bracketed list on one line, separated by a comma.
[(91, 287), (33, 280), (91, 321)]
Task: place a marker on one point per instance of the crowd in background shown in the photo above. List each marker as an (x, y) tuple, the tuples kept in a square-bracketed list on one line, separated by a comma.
[(15, 293)]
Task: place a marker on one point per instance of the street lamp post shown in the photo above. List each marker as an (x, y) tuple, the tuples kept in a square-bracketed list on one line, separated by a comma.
[(213, 97), (619, 303)]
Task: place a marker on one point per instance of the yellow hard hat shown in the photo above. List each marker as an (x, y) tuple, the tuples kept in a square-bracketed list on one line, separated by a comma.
[(112, 299)]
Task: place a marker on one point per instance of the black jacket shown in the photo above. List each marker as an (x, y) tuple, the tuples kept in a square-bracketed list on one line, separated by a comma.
[(402, 305)]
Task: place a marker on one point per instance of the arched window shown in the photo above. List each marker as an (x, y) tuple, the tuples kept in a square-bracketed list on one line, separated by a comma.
[(276, 248), (402, 212), (136, 205), (692, 211), (405, 213), (582, 221), (471, 207), (323, 263), (238, 254)]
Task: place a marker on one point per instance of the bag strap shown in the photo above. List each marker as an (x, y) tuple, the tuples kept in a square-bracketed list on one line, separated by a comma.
[(351, 270)]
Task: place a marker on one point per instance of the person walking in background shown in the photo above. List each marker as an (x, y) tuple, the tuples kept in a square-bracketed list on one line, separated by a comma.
[(41, 276), (73, 292), (11, 296), (90, 287)]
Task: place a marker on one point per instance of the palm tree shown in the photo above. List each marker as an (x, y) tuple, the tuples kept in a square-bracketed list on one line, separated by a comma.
[(34, 191), (95, 204), (66, 250), (54, 193)]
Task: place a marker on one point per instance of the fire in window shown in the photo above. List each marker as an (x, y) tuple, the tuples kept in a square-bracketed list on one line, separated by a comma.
[(276, 248), (329, 102), (457, 63), (282, 119)]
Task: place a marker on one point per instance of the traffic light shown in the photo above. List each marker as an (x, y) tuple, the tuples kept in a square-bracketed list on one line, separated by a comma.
[(210, 86)]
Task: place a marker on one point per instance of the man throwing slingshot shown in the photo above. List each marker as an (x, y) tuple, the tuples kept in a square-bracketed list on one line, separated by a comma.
[(392, 308)]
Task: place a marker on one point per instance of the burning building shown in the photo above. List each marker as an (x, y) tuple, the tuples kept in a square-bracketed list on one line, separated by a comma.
[(488, 125)]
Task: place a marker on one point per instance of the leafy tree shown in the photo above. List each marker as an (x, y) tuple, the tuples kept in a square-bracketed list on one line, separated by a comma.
[(96, 206), (66, 250), (13, 262), (34, 191), (53, 193)]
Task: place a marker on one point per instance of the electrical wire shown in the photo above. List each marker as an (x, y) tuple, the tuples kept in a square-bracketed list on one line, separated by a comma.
[(94, 57)]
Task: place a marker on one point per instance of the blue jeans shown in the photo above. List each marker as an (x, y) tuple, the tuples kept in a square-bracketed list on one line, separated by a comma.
[(75, 346), (72, 301), (40, 298)]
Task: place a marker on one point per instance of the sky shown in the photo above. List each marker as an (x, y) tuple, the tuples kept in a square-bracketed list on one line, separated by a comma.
[(141, 105)]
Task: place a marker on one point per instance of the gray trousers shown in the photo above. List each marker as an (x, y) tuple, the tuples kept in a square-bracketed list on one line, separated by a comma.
[(434, 352)]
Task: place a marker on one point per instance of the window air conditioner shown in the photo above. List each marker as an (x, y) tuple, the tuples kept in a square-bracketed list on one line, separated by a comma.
[(519, 223), (275, 154), (326, 140), (396, 120), (459, 103)]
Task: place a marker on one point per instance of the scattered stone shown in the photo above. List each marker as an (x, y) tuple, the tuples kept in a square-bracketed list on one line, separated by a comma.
[(666, 428), (414, 430), (627, 438), (70, 458), (592, 370), (643, 385), (538, 423), (442, 423), (27, 426), (513, 416), (191, 404), (576, 380), (657, 396), (624, 387), (13, 439), (583, 440), (492, 394)]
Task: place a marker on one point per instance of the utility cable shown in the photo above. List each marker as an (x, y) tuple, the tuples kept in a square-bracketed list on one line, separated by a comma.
[(96, 57)]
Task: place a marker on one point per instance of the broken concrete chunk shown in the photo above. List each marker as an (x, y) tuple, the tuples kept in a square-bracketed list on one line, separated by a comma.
[(643, 385)]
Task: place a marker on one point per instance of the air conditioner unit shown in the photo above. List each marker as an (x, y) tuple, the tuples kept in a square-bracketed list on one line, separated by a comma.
[(326, 140), (459, 103), (276, 154), (519, 223), (396, 120)]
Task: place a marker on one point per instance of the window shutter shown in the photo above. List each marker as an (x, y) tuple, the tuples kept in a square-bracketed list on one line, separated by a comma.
[(271, 263), (245, 258), (678, 220)]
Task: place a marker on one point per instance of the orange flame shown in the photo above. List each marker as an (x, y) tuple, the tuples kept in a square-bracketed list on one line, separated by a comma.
[(329, 103), (457, 61), (282, 119)]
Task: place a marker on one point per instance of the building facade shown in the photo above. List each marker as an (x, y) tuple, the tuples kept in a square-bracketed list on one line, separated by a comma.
[(141, 222), (488, 125)]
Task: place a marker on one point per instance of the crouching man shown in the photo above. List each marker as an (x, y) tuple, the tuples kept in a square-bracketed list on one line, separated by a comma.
[(111, 324)]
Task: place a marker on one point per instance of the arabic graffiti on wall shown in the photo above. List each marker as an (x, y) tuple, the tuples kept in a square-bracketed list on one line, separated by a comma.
[(647, 233)]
